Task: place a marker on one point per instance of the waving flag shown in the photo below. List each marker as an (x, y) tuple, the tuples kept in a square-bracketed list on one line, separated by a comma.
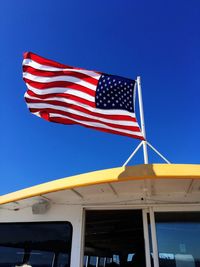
[(69, 95)]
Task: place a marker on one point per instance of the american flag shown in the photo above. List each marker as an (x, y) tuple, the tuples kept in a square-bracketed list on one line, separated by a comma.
[(69, 95)]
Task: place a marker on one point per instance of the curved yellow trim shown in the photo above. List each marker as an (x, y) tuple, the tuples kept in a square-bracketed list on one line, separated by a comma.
[(150, 171)]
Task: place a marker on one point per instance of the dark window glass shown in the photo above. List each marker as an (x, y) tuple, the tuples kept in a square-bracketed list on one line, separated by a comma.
[(114, 238), (178, 235), (101, 262), (63, 260), (5, 252), (40, 244), (92, 261), (41, 258)]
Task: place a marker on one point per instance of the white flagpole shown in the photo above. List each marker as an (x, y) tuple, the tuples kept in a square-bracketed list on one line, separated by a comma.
[(143, 143), (142, 119)]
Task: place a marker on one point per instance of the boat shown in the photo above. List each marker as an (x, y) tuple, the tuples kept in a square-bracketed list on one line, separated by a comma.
[(142, 216)]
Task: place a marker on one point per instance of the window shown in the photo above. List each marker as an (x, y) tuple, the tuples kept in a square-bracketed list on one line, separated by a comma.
[(114, 238), (40, 244), (178, 236)]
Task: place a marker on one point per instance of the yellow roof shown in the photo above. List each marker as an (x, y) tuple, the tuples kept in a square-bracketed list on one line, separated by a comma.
[(149, 171)]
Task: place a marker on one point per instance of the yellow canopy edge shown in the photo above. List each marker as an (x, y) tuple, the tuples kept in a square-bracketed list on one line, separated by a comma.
[(148, 171)]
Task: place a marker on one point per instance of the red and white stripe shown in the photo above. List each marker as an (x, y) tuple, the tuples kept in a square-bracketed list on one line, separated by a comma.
[(64, 94)]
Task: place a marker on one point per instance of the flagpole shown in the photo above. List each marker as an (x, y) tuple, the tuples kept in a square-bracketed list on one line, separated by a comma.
[(145, 153), (143, 143)]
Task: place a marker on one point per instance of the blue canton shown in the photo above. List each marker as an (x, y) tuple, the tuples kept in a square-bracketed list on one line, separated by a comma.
[(114, 92)]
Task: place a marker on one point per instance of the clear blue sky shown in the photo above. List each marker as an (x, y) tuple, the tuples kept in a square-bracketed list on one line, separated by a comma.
[(158, 40)]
